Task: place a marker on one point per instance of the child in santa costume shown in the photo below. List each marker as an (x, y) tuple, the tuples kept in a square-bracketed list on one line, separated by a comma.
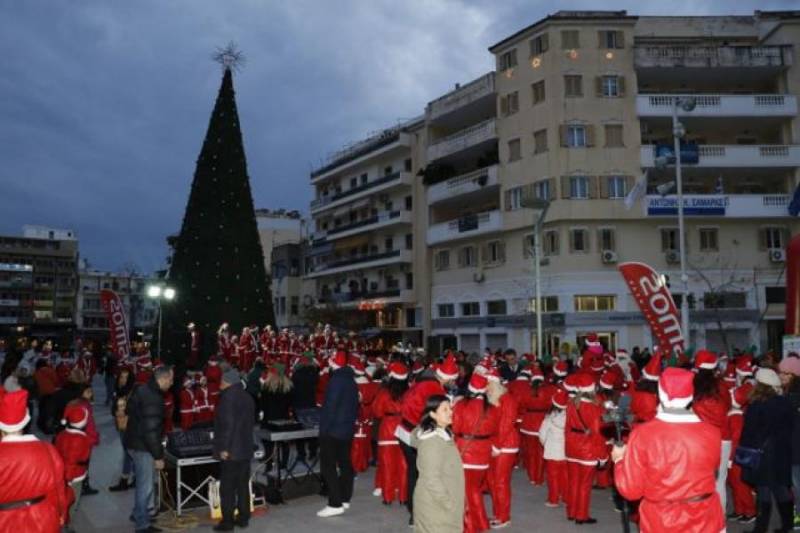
[(475, 425), (361, 451), (186, 403), (505, 447), (390, 475), (534, 407), (670, 463), (33, 494), (551, 435), (75, 449)]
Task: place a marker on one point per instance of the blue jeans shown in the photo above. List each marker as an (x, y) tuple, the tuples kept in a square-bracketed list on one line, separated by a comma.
[(127, 460), (143, 500), (796, 485)]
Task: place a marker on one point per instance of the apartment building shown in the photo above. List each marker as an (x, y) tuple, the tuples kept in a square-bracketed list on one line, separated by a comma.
[(38, 282), (578, 111), (292, 294), (367, 256)]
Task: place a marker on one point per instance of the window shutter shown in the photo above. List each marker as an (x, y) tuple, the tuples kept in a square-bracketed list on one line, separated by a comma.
[(571, 241), (501, 251), (762, 238), (461, 257), (587, 247), (630, 182), (437, 263), (485, 253), (603, 186), (529, 191), (620, 39), (545, 42), (621, 85), (598, 85), (600, 41), (504, 105), (507, 195), (592, 186), (552, 188), (590, 135), (526, 249), (563, 134), (556, 242), (785, 237), (565, 187)]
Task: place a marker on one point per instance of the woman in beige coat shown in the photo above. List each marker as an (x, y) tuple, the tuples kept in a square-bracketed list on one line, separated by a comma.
[(439, 495)]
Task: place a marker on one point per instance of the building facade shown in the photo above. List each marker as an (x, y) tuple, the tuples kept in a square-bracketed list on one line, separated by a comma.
[(292, 294)]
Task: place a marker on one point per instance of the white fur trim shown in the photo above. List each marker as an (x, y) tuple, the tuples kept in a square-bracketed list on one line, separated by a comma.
[(585, 462), (674, 403), (648, 376), (476, 391), (19, 438), (708, 366), (388, 443), (674, 418), (735, 411), (505, 450), (468, 466), (531, 433), (443, 376), (438, 432), (13, 428), (398, 376)]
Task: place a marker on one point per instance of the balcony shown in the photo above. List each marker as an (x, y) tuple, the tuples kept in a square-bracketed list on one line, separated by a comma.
[(379, 221), (735, 156), (481, 180), (705, 57), (478, 90), (360, 298), (719, 205), (385, 143), (471, 137), (720, 105), (381, 184), (465, 227), (360, 262)]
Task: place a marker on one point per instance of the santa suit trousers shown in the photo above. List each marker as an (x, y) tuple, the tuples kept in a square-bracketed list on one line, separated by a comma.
[(390, 476), (743, 501), (579, 489), (361, 452), (475, 519), (500, 485), (556, 481), (534, 462)]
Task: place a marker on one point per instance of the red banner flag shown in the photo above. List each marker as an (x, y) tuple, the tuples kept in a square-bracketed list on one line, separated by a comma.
[(656, 303), (117, 323)]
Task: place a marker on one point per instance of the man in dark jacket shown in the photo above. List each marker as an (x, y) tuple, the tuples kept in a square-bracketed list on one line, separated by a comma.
[(234, 420), (510, 369), (145, 410), (304, 389), (336, 427)]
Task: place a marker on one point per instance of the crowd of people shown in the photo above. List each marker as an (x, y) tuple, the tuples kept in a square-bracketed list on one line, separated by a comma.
[(669, 436)]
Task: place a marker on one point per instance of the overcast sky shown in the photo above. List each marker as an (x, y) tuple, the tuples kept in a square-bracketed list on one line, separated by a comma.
[(104, 104)]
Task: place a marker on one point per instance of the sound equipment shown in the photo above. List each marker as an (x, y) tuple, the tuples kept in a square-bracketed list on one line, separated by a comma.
[(308, 417), (281, 426), (191, 443)]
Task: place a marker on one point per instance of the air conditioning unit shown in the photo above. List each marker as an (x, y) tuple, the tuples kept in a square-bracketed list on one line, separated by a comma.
[(777, 255), (673, 257), (609, 256), (478, 277)]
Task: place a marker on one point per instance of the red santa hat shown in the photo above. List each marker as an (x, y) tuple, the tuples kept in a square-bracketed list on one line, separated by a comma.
[(593, 344), (730, 374), (76, 416), (448, 370), (478, 384), (560, 398), (398, 370), (561, 369), (744, 366), (358, 367), (14, 415), (338, 360), (676, 388), (525, 374), (652, 370), (705, 359), (584, 382), (417, 367), (188, 381), (571, 383), (492, 375), (537, 374), (144, 361), (607, 380), (740, 396), (622, 354), (609, 359), (597, 364)]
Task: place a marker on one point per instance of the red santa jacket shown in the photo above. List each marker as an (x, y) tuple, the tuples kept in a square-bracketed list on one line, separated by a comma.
[(734, 427), (714, 410), (643, 406), (91, 426), (387, 410), (583, 441), (187, 409), (75, 450), (670, 463), (534, 407), (203, 410), (413, 403), (30, 470), (507, 438), (475, 427), (169, 412)]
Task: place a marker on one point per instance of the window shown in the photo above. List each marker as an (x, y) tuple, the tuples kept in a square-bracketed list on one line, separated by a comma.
[(409, 203), (775, 295), (409, 280), (363, 179), (540, 44), (617, 187), (407, 165), (578, 241), (494, 252), (614, 136), (773, 238), (496, 307), (541, 190), (467, 256), (514, 198), (724, 300), (409, 241), (539, 141), (607, 239), (295, 305), (669, 240), (389, 243), (470, 309), (514, 150), (508, 60), (446, 310), (549, 304), (570, 39), (509, 104), (387, 171), (709, 240), (573, 86), (595, 303), (579, 187), (537, 91), (550, 242), (442, 261), (610, 39), (576, 136), (608, 86), (353, 183)]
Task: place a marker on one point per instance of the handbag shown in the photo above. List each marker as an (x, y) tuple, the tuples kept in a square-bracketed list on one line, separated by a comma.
[(748, 457), (215, 501)]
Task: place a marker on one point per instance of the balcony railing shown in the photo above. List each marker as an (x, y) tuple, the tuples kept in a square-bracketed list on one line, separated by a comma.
[(360, 261), (462, 96), (463, 139), (366, 222), (349, 194), (483, 178), (466, 226), (344, 297), (739, 156), (720, 205), (720, 105), (691, 56)]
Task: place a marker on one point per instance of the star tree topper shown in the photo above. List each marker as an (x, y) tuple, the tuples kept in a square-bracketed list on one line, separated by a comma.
[(230, 57)]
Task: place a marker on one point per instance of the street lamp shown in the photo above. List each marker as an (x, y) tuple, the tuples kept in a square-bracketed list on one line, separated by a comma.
[(160, 292), (687, 105), (539, 206)]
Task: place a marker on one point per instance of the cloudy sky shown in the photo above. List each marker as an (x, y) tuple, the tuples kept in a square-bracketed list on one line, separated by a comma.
[(104, 104)]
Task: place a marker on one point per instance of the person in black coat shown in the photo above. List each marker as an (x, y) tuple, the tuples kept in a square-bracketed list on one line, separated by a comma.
[(511, 368), (304, 397), (234, 422), (768, 427), (336, 428), (275, 403)]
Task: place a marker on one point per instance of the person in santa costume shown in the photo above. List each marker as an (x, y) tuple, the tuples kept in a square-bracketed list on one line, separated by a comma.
[(203, 410), (75, 449), (361, 451), (390, 475), (475, 426), (533, 408), (505, 447), (186, 403), (670, 462), (213, 373), (33, 494), (584, 446), (224, 341), (551, 435), (744, 503), (644, 399), (428, 382), (194, 346), (247, 350)]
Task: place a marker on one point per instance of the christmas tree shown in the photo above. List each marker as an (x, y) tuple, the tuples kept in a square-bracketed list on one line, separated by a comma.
[(217, 264)]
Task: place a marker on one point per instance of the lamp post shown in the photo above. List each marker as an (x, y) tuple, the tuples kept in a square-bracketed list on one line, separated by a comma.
[(540, 207), (160, 292)]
